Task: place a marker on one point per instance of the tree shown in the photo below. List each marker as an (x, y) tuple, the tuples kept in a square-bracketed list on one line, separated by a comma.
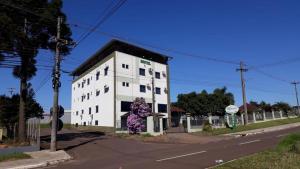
[(282, 106), (265, 106), (9, 107), (27, 26), (203, 103), (139, 111)]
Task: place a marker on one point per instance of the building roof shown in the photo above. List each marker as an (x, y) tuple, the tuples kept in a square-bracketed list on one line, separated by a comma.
[(121, 46), (250, 108), (177, 109)]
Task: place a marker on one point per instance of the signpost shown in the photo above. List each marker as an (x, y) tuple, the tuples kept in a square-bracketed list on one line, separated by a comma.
[(231, 111)]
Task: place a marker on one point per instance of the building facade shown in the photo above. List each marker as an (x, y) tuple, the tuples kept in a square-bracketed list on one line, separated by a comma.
[(105, 85)]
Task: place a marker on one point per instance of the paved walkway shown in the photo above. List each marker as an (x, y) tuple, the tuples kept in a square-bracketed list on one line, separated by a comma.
[(39, 159)]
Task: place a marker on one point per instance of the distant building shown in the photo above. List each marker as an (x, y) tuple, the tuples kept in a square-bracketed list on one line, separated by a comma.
[(66, 118), (105, 85)]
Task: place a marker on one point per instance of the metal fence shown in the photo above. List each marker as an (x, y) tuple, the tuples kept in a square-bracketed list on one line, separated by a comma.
[(197, 122), (33, 131)]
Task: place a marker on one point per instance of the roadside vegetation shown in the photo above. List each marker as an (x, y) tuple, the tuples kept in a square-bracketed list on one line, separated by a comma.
[(14, 156), (249, 127), (285, 155)]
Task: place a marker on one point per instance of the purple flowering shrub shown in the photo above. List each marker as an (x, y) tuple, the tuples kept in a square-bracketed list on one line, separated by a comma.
[(139, 109)]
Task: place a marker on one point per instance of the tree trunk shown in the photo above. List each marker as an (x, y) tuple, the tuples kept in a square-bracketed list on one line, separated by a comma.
[(23, 93)]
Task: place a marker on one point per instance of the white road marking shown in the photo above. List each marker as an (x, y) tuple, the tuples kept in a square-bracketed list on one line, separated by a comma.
[(248, 142), (180, 156), (281, 135)]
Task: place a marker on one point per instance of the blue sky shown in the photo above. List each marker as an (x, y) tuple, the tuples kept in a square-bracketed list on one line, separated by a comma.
[(257, 32)]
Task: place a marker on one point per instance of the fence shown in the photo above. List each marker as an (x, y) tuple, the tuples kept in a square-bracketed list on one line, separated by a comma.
[(196, 123), (32, 138)]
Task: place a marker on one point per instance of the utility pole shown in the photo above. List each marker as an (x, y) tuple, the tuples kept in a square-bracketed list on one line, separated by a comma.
[(296, 92), (11, 90), (242, 70), (56, 85), (153, 94)]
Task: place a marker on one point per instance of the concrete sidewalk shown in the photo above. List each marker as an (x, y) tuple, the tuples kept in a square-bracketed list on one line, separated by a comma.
[(264, 130), (39, 159)]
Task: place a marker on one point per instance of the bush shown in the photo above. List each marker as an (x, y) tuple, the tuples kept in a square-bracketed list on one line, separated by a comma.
[(207, 126), (290, 143)]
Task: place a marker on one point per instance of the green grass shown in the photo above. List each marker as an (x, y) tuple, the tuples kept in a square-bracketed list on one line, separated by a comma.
[(44, 126), (251, 126), (14, 156), (284, 156)]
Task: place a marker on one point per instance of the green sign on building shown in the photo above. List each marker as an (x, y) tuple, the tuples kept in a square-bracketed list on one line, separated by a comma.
[(145, 62)]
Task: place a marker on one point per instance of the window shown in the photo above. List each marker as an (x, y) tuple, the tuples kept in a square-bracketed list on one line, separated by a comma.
[(78, 85), (97, 92), (96, 122), (82, 98), (88, 96), (125, 106), (143, 88), (97, 75), (125, 84), (76, 113), (162, 108), (106, 71), (84, 123), (157, 90), (157, 75), (88, 81), (106, 89), (97, 109), (73, 88), (82, 84), (142, 72), (82, 111), (125, 66), (90, 110)]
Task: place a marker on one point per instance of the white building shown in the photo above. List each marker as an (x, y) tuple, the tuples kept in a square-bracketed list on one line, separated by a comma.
[(105, 85)]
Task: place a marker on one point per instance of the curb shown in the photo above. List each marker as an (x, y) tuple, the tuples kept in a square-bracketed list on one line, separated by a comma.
[(43, 164), (263, 130)]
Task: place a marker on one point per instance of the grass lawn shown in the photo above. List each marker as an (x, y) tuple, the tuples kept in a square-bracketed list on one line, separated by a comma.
[(285, 156), (251, 126), (14, 156)]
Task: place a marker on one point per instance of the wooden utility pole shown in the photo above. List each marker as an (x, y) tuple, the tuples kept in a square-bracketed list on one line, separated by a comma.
[(296, 92), (153, 93), (242, 70), (11, 90), (56, 85)]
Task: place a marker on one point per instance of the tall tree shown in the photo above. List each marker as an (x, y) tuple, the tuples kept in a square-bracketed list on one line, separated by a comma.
[(29, 25)]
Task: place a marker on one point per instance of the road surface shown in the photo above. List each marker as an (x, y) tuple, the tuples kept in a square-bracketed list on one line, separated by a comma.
[(102, 152)]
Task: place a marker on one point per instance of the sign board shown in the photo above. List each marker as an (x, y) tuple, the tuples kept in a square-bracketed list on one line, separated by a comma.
[(145, 62), (231, 109)]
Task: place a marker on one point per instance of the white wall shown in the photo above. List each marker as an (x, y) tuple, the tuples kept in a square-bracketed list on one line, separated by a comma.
[(105, 101)]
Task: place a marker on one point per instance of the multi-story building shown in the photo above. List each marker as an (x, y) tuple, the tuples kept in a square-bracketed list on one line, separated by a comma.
[(105, 85)]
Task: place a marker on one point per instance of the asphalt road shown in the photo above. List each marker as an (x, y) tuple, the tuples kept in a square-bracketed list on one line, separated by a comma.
[(101, 152)]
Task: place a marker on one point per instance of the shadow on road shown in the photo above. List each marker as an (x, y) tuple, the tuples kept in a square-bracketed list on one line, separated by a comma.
[(70, 140)]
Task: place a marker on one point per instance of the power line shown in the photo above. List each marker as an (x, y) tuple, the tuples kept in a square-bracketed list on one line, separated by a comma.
[(277, 63), (140, 43), (119, 4)]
